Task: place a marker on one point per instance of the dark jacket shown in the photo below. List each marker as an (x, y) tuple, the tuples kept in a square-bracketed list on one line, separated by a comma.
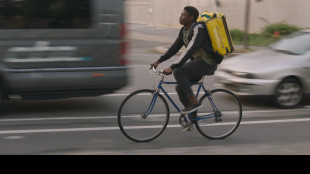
[(198, 37)]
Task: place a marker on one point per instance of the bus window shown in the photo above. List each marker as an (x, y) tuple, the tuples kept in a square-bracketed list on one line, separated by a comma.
[(45, 14)]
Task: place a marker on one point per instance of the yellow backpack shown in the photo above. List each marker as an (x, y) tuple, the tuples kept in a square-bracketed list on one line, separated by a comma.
[(218, 32)]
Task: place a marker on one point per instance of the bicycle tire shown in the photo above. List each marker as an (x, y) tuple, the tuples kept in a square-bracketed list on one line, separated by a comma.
[(224, 126), (129, 118)]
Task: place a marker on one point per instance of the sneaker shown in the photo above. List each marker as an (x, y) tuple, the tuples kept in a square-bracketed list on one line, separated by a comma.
[(191, 108), (188, 127)]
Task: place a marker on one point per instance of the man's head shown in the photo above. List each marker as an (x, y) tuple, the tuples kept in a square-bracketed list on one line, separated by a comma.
[(189, 15)]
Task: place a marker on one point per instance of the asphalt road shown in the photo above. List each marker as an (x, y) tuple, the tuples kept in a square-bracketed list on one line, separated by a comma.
[(88, 125)]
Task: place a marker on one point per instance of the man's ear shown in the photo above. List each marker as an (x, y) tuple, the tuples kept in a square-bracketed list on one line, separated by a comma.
[(192, 18)]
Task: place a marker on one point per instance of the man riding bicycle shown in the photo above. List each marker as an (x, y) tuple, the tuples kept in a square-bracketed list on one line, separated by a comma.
[(202, 62)]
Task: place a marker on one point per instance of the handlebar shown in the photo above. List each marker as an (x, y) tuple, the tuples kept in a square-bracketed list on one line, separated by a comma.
[(160, 72)]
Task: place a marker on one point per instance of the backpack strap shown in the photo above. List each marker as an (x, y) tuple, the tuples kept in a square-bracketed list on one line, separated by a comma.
[(191, 32)]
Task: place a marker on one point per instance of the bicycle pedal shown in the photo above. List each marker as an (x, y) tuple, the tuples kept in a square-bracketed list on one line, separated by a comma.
[(188, 128)]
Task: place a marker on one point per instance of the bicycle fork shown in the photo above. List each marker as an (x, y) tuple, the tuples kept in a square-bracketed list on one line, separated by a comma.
[(217, 113), (151, 105)]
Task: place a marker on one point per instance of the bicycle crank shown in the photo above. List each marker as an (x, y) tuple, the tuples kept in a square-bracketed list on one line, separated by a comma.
[(183, 121), (188, 126)]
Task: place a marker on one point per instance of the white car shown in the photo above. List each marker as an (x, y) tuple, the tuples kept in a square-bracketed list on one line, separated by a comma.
[(282, 70)]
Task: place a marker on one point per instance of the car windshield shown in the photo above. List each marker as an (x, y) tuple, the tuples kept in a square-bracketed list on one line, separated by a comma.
[(297, 44)]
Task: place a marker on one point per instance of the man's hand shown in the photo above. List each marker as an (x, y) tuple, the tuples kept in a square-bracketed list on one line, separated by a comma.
[(155, 64), (168, 71)]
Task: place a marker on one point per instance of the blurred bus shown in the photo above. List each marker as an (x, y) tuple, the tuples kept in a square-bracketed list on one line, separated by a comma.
[(61, 48)]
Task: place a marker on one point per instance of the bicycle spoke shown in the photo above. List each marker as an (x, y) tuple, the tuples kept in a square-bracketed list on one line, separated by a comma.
[(143, 116), (226, 111)]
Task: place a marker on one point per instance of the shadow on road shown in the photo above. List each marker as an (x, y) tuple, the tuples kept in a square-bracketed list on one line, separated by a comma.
[(87, 106)]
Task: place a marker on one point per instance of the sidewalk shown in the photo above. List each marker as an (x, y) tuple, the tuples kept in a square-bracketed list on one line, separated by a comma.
[(152, 33), (162, 34)]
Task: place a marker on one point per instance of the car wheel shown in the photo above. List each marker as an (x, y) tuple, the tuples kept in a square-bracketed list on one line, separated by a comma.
[(289, 93)]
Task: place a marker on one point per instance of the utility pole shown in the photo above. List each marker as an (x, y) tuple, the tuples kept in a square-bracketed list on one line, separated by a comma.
[(246, 24)]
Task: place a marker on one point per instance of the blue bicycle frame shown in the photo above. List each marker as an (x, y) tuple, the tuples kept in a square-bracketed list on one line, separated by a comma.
[(216, 113)]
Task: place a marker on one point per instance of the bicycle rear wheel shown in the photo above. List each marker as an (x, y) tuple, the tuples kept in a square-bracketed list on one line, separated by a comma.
[(221, 122), (143, 115)]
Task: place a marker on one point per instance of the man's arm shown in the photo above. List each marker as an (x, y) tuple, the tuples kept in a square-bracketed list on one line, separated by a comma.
[(195, 43)]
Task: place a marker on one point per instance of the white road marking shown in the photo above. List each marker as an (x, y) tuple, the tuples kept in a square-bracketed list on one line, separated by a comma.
[(57, 118), (138, 127), (14, 137), (169, 93), (171, 114), (119, 95)]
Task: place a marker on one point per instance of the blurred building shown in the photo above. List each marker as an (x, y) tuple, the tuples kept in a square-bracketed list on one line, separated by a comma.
[(263, 12)]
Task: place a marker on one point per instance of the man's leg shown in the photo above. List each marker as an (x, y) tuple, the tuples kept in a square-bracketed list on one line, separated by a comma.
[(196, 68), (182, 95)]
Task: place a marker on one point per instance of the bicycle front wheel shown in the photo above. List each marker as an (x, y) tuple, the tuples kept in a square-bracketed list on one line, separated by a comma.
[(220, 116), (143, 115)]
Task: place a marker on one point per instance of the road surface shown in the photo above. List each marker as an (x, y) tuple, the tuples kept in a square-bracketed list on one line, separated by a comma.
[(89, 125)]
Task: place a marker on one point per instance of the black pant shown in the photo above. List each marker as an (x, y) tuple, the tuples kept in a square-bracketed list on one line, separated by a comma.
[(189, 73)]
